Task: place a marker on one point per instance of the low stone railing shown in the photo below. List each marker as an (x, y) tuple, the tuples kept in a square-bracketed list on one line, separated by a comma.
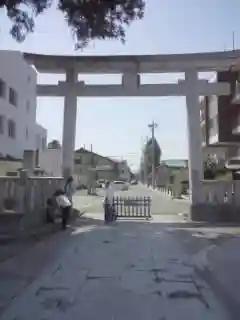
[(166, 191), (26, 196), (219, 202), (220, 192)]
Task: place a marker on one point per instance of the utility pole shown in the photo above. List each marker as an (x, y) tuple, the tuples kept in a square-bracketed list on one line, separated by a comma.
[(145, 162), (92, 173), (233, 40), (152, 127)]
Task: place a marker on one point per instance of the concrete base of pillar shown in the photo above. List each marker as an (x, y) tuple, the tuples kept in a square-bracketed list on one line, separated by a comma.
[(215, 213)]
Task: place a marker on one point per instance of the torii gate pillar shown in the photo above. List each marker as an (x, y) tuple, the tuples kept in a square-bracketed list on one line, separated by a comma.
[(69, 123), (195, 159)]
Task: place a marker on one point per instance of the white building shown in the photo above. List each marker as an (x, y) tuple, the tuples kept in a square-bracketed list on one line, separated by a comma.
[(18, 128), (124, 171), (50, 160)]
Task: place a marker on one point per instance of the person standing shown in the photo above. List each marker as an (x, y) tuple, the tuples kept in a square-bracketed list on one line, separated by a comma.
[(108, 202), (70, 188)]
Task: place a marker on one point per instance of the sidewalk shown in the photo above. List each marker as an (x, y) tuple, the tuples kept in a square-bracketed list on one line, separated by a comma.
[(214, 251), (224, 270), (28, 260)]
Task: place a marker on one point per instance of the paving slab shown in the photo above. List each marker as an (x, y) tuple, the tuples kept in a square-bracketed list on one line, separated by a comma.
[(124, 271)]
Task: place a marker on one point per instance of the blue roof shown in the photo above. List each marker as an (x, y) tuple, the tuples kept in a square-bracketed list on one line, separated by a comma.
[(176, 163)]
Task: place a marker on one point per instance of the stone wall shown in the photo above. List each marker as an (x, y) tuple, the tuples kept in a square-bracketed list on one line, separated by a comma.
[(23, 198), (219, 202)]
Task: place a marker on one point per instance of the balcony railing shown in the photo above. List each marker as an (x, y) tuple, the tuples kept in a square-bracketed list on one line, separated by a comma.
[(236, 94)]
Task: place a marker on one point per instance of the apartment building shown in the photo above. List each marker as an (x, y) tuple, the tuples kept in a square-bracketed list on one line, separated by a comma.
[(220, 120), (18, 128)]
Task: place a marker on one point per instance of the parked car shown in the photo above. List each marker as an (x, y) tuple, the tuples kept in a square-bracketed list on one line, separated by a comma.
[(100, 183), (121, 185), (133, 182), (81, 186)]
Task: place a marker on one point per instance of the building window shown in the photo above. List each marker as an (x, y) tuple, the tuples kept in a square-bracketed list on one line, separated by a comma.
[(1, 124), (28, 106), (26, 133), (11, 129), (2, 89), (13, 97)]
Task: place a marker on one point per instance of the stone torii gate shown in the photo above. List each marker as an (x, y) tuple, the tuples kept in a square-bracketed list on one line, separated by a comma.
[(131, 67)]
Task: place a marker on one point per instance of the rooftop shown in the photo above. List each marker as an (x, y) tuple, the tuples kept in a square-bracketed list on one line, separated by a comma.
[(176, 163), (206, 61)]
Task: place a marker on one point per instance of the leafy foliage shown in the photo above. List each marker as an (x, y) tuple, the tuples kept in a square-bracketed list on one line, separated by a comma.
[(88, 19), (147, 157), (148, 152), (54, 144)]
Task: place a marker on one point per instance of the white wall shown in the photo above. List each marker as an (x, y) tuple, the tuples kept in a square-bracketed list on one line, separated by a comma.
[(124, 171), (20, 76), (50, 160), (40, 137), (163, 174)]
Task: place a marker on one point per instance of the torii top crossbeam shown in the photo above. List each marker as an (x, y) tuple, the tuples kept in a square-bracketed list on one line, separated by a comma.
[(209, 61)]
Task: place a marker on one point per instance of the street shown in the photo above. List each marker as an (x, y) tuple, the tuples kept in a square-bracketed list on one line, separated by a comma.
[(161, 205), (129, 270)]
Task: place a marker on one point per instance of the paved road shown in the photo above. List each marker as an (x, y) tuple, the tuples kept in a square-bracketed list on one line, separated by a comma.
[(131, 270), (160, 204)]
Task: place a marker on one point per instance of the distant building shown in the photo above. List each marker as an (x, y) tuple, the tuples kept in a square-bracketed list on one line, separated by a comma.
[(54, 144), (169, 170), (90, 165), (41, 138), (18, 128), (50, 160), (176, 163), (124, 170)]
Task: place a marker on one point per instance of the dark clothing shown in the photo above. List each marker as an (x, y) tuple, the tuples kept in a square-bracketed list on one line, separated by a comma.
[(50, 211), (65, 216), (49, 215), (109, 213)]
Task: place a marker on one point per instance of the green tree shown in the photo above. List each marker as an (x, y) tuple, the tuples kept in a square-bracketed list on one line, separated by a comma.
[(88, 19), (146, 159), (149, 153), (54, 144)]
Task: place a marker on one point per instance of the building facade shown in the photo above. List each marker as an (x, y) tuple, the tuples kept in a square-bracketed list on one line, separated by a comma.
[(92, 166), (50, 161), (220, 121), (18, 128)]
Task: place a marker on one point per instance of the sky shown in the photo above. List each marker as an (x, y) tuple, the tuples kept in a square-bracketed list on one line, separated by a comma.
[(117, 127)]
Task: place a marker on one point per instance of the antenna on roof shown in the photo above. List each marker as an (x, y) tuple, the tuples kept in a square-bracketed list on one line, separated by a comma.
[(233, 41)]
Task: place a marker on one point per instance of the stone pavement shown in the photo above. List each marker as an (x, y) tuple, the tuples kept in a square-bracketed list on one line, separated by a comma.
[(214, 250), (130, 270), (224, 262)]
